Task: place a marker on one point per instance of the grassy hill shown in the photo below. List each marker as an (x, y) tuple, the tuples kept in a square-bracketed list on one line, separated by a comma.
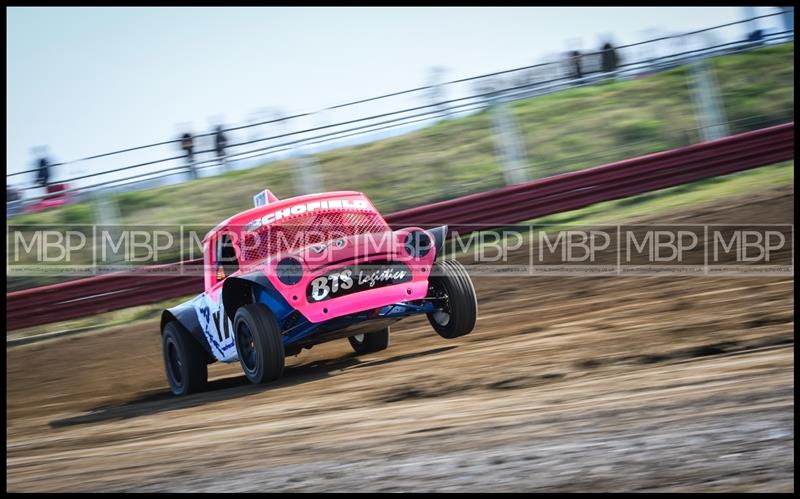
[(568, 130)]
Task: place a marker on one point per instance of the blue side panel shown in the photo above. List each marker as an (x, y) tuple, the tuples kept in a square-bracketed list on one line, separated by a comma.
[(439, 235), (274, 301)]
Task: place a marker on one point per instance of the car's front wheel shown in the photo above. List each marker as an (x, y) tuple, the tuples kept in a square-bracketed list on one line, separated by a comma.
[(451, 290), (259, 343), (370, 342)]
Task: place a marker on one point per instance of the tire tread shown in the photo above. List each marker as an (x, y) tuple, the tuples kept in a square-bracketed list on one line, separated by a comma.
[(192, 355), (267, 336), (463, 302)]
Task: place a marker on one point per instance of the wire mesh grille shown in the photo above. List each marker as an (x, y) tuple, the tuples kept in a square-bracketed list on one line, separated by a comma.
[(303, 230)]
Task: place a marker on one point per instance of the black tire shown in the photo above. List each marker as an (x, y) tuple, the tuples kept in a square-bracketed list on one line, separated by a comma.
[(450, 282), (184, 360), (370, 342), (259, 343)]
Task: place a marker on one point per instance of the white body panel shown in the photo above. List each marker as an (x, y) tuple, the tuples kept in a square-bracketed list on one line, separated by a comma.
[(217, 328)]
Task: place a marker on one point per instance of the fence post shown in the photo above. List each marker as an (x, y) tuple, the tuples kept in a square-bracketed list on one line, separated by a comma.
[(306, 173), (750, 24), (787, 13), (280, 127), (436, 93), (707, 101), (107, 215), (507, 142)]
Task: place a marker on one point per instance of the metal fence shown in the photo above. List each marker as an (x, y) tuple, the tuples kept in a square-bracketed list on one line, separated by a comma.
[(507, 142)]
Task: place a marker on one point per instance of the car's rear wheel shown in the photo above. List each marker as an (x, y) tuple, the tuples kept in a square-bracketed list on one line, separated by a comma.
[(184, 360), (451, 290), (259, 343), (370, 342)]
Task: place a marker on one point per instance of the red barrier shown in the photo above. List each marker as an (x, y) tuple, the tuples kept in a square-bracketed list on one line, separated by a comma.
[(534, 199), (512, 204)]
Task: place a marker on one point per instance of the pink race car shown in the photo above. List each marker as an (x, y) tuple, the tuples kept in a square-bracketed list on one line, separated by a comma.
[(57, 195), (290, 274)]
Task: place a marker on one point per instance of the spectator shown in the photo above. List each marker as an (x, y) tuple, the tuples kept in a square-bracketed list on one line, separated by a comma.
[(13, 201), (187, 144), (575, 61), (11, 194), (43, 169), (756, 38), (610, 61), (220, 143)]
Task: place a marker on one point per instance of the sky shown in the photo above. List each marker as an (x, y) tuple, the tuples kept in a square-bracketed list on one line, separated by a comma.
[(90, 80)]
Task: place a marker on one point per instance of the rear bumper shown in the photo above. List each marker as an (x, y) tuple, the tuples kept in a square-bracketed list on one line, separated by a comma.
[(386, 252), (364, 300)]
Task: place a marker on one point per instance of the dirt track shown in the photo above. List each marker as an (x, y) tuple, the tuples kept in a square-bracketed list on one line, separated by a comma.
[(567, 384)]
